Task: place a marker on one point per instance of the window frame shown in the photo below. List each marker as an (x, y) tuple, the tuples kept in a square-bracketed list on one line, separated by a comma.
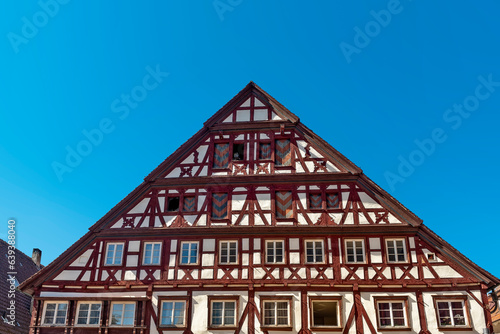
[(314, 254), (144, 253), (449, 299), (220, 255), (57, 302), (276, 299), (406, 311), (363, 246), (283, 255), (189, 250), (105, 259), (405, 248), (77, 314), (123, 311), (211, 300), (174, 299), (338, 300)]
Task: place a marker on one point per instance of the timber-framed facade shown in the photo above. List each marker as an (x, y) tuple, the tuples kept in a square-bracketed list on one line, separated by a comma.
[(257, 225)]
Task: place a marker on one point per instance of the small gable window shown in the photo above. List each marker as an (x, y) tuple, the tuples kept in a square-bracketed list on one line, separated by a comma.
[(221, 155), (265, 151), (219, 205), (283, 152), (173, 204), (238, 151)]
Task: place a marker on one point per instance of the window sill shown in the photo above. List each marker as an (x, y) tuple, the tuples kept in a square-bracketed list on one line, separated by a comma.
[(326, 329), (276, 328), (393, 329), (455, 328), (171, 328), (222, 328)]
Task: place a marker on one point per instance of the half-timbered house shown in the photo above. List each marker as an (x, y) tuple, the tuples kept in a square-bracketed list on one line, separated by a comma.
[(257, 225)]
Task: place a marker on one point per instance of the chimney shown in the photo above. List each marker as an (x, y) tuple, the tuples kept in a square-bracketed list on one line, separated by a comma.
[(37, 257)]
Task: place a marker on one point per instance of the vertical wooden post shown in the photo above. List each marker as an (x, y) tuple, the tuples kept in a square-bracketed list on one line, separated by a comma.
[(358, 311), (487, 313), (251, 311), (421, 314)]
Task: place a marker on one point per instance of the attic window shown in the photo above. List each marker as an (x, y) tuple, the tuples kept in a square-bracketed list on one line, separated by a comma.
[(238, 151), (173, 204), (431, 256)]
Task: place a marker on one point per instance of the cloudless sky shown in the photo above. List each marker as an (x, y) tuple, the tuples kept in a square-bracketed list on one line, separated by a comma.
[(372, 89)]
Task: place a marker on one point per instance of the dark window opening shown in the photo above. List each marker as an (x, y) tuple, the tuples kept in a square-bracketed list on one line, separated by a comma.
[(173, 204), (238, 151)]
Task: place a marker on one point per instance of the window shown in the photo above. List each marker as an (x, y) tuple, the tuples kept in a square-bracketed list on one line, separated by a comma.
[(315, 201), (355, 251), (219, 205), (325, 312), (333, 200), (396, 250), (55, 313), (238, 151), (223, 312), (314, 251), (152, 253), (274, 251), (122, 314), (392, 313), (173, 203), (264, 151), (276, 313), (88, 313), (114, 254), (452, 312), (283, 153), (189, 252), (228, 253), (173, 313), (221, 155), (189, 204), (284, 204)]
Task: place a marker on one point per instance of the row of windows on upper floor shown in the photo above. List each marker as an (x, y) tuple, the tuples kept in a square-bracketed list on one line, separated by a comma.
[(325, 312), (275, 253), (316, 200), (227, 151)]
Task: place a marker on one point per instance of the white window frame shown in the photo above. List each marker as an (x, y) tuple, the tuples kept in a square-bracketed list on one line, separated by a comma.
[(114, 254), (152, 252), (57, 303), (224, 301), (449, 301), (228, 242), (275, 302), (123, 312), (77, 315), (323, 255), (391, 313), (189, 263), (316, 299), (274, 251), (172, 317), (363, 253), (393, 241)]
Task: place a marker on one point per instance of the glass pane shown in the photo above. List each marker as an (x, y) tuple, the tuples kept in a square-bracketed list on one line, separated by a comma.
[(325, 313), (116, 314)]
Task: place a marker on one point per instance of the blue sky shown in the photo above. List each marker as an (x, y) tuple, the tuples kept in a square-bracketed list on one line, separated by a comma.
[(408, 90)]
